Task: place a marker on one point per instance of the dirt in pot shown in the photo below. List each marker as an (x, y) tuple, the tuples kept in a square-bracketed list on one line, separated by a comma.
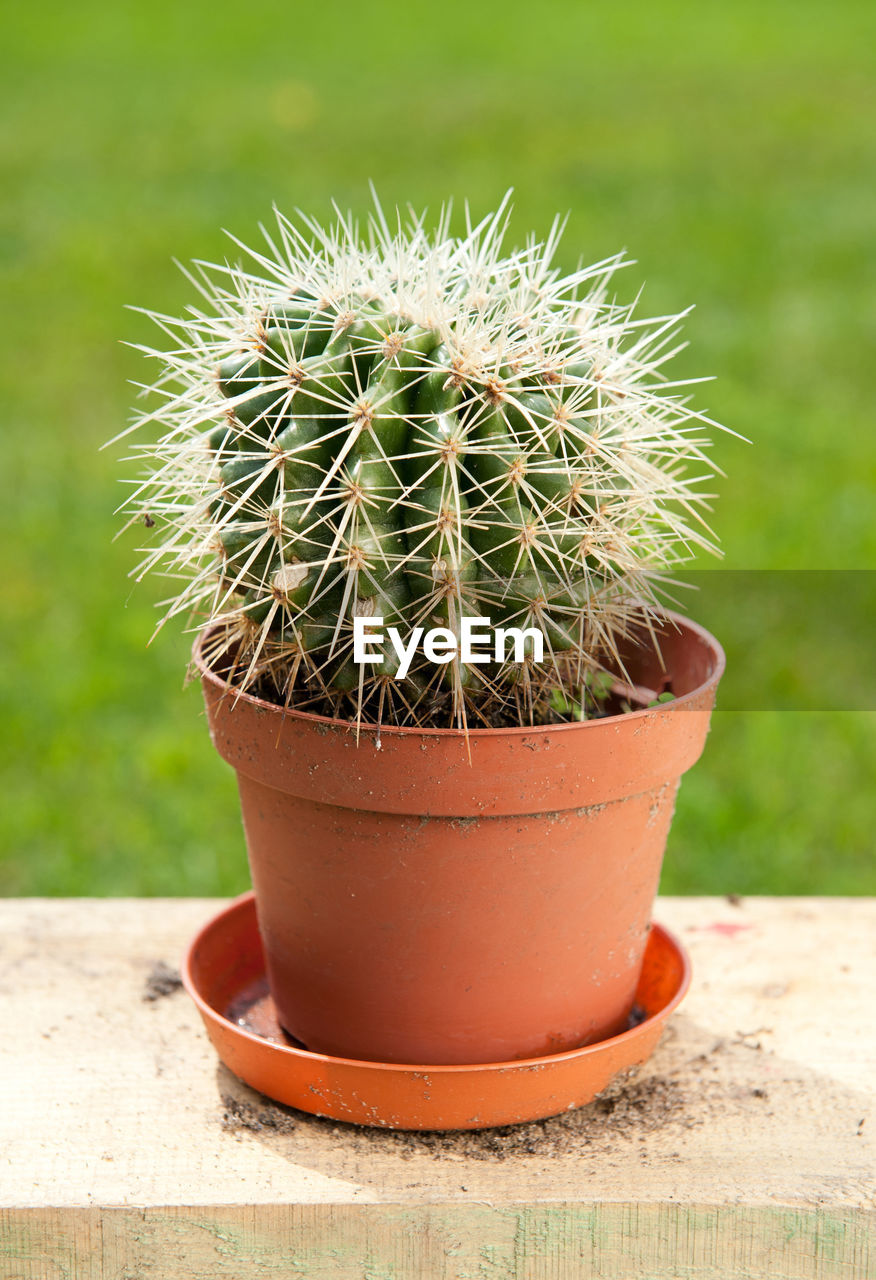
[(534, 698)]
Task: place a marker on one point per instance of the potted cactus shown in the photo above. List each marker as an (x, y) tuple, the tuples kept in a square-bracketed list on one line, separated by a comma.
[(420, 495)]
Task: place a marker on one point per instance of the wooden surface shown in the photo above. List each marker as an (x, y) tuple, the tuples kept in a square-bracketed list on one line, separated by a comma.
[(744, 1149)]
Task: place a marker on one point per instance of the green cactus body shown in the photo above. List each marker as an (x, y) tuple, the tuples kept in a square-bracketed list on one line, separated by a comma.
[(422, 430), (238, 373)]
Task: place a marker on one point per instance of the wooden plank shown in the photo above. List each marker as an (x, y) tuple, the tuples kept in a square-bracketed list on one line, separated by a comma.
[(745, 1147), (435, 1242)]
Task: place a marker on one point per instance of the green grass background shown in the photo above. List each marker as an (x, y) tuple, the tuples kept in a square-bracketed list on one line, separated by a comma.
[(731, 148)]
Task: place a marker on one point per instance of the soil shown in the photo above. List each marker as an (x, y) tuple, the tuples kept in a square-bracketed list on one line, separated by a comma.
[(486, 713), (627, 1108), (382, 703), (161, 981)]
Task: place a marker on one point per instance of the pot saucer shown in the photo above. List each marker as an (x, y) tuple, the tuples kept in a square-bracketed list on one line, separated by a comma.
[(224, 973)]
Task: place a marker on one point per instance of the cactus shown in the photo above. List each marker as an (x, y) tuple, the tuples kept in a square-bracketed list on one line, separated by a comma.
[(413, 426)]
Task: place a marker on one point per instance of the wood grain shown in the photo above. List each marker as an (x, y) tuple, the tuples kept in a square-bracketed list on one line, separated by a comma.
[(744, 1149)]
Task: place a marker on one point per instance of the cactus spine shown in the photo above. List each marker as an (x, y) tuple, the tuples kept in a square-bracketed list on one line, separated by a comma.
[(413, 426)]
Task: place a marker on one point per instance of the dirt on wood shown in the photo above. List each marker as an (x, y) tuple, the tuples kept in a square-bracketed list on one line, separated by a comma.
[(629, 1108), (161, 981)]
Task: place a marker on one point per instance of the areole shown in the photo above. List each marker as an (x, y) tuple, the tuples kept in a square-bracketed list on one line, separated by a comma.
[(427, 896)]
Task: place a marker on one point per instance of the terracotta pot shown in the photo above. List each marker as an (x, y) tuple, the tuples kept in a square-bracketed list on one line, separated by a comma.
[(419, 907), (224, 972)]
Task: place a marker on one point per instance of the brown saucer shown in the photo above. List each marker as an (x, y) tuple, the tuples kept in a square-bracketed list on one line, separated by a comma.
[(224, 973)]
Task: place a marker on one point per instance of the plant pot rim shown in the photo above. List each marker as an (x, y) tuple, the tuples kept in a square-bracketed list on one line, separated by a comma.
[(398, 731)]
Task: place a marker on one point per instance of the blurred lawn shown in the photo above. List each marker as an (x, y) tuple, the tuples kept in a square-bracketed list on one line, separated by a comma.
[(730, 148)]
